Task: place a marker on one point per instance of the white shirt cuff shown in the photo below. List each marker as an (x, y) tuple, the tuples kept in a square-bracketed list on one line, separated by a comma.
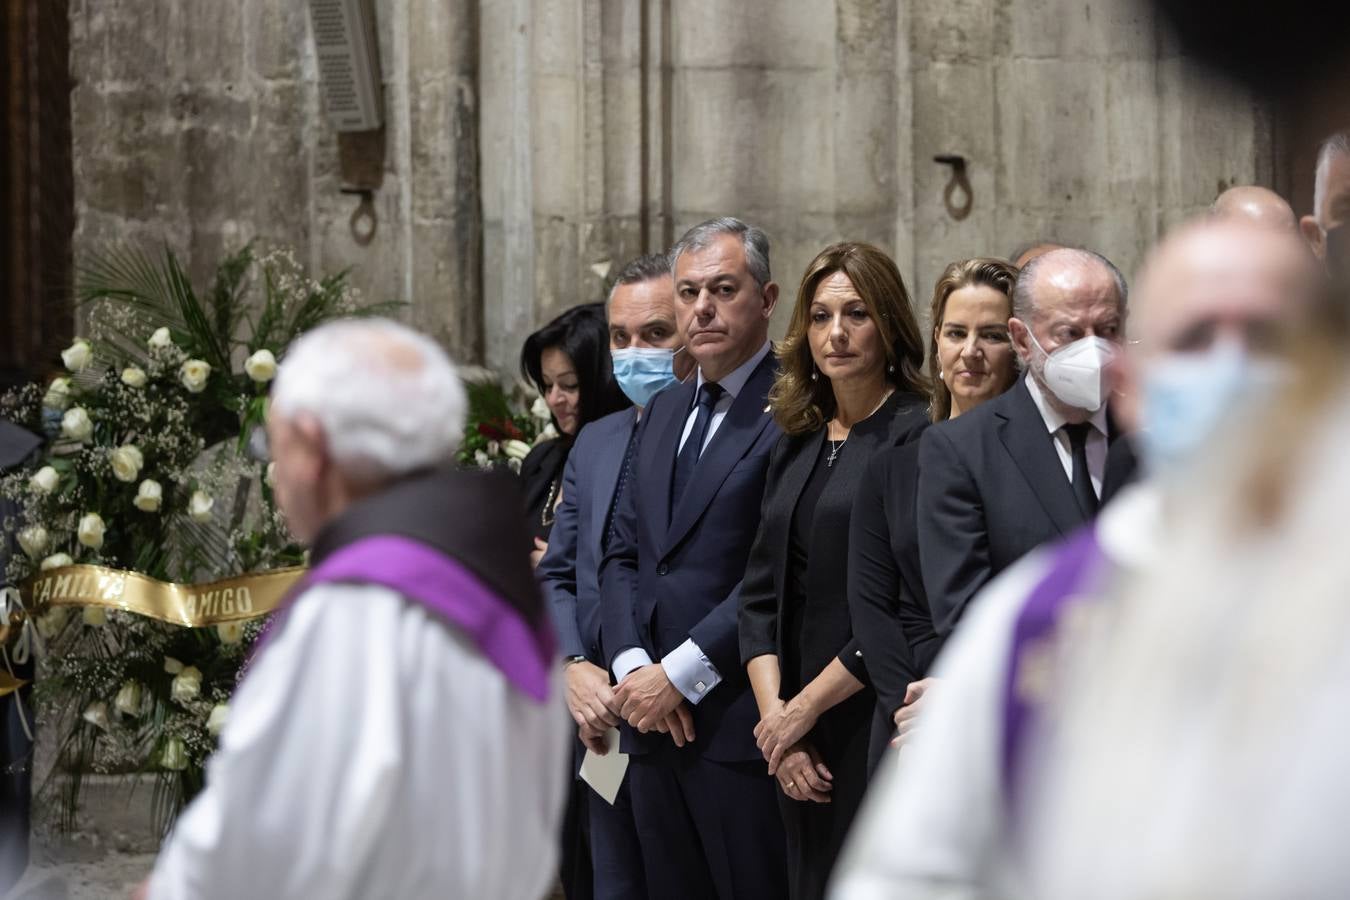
[(692, 673), (628, 660)]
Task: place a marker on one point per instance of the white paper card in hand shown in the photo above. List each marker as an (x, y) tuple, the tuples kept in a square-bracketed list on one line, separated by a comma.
[(605, 773)]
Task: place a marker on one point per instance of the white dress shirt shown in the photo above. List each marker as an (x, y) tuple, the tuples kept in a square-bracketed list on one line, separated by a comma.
[(687, 666), (932, 825), (372, 751), (1096, 436)]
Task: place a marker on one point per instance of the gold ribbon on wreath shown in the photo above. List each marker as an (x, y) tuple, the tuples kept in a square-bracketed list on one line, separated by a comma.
[(194, 605)]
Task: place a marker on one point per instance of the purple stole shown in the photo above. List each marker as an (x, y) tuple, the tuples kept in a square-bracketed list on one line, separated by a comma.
[(1074, 570), (522, 652)]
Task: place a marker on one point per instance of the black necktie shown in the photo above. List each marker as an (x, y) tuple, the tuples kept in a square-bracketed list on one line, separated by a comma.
[(708, 395), (1082, 475)]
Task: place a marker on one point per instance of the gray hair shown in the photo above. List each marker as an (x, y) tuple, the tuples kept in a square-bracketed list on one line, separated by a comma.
[(1336, 145), (643, 268), (1024, 299), (755, 241), (388, 399)]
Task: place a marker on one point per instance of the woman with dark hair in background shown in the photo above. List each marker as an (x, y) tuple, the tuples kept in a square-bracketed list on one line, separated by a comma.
[(851, 382), (970, 360), (568, 361)]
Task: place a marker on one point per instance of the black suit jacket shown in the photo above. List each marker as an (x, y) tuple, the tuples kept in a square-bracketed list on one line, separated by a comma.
[(991, 489), (885, 585), (901, 419), (675, 574)]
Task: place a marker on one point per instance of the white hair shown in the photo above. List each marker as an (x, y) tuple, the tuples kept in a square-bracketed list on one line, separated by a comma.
[(1336, 145), (388, 399)]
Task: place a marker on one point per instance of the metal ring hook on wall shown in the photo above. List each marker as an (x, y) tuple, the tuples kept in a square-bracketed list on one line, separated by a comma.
[(959, 181), (363, 222)]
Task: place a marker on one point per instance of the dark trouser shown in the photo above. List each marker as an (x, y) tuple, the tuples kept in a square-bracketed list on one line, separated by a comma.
[(816, 831), (16, 780), (616, 855), (575, 864), (707, 829)]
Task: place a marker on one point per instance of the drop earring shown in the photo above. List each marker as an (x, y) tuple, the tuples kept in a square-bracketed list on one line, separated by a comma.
[(814, 375)]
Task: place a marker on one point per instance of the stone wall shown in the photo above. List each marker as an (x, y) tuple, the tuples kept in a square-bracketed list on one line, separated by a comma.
[(533, 145)]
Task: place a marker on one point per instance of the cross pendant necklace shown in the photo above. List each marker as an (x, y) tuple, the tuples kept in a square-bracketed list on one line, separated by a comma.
[(835, 447)]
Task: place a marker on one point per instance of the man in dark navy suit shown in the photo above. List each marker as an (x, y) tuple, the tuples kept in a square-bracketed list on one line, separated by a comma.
[(1034, 464), (703, 801), (645, 343)]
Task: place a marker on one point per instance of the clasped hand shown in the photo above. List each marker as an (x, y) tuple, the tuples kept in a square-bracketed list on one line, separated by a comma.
[(649, 702), (782, 727)]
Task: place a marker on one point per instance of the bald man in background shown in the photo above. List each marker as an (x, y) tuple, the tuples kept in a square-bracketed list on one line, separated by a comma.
[(1259, 206)]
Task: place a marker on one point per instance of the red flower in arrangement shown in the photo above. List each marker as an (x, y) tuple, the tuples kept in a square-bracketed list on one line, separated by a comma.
[(500, 430)]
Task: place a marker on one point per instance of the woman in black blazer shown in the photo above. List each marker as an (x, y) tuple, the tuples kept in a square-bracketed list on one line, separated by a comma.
[(971, 360), (568, 362), (850, 382)]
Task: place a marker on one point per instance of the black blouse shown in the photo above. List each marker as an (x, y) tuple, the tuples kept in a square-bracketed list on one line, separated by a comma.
[(541, 474), (768, 595)]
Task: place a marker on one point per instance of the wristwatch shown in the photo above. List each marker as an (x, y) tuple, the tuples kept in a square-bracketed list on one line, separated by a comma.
[(567, 661)]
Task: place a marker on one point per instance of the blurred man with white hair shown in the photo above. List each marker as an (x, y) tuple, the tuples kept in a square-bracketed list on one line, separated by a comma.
[(399, 733)]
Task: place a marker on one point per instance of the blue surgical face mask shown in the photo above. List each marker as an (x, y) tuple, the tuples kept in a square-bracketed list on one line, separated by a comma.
[(643, 371), (1188, 397)]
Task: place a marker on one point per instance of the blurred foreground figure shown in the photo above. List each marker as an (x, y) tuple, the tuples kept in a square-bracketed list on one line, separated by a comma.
[(398, 734), (951, 820), (1194, 741)]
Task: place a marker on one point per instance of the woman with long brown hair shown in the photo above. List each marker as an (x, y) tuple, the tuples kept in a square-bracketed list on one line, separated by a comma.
[(850, 383), (971, 360)]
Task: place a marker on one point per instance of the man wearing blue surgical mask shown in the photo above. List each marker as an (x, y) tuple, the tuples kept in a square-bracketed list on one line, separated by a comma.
[(1031, 465), (647, 351)]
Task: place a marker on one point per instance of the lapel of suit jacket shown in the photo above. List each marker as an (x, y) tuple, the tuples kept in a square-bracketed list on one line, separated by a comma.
[(608, 461), (745, 420), (660, 444), (1032, 448)]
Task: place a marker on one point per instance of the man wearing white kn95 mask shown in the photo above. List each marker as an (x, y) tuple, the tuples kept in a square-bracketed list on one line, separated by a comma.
[(1039, 461)]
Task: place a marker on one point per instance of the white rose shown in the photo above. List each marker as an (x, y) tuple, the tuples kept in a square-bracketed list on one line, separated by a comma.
[(230, 632), (128, 701), (94, 616), (50, 623), (193, 375), (548, 434), (33, 540), (493, 448), (161, 338), (90, 530), (148, 496), (76, 424), (96, 714), (261, 366), (513, 465), (133, 376), (174, 755), (45, 480), (56, 561), (78, 355), (58, 394), (539, 409), (172, 666), (187, 685), (215, 723), (199, 507), (516, 449), (127, 462), (482, 459)]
